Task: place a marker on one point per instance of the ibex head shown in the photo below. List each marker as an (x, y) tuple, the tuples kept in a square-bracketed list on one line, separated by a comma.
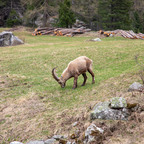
[(60, 80)]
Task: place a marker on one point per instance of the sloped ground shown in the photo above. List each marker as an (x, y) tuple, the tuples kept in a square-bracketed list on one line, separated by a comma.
[(34, 107), (24, 118)]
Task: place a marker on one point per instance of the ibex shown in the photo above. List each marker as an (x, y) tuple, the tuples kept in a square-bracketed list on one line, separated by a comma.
[(75, 68)]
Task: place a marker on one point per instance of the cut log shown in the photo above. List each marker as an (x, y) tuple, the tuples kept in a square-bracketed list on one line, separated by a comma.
[(135, 36), (126, 34), (60, 31)]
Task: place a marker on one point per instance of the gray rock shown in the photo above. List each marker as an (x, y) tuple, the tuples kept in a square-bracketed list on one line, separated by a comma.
[(39, 20), (89, 133), (79, 24), (74, 124), (49, 22), (103, 111), (8, 39), (118, 102), (36, 142), (58, 137), (50, 141), (16, 142), (111, 35), (135, 86), (15, 41), (96, 39)]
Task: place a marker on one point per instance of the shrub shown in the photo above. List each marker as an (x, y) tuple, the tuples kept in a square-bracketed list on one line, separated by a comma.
[(13, 19), (66, 16)]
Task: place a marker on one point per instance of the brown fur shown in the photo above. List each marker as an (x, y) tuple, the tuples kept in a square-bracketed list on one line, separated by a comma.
[(75, 68)]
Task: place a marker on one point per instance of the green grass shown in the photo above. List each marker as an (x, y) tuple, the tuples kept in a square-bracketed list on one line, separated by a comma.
[(28, 69), (35, 59)]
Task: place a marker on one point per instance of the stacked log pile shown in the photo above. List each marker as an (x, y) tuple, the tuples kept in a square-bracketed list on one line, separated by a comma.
[(43, 31), (60, 31), (126, 34)]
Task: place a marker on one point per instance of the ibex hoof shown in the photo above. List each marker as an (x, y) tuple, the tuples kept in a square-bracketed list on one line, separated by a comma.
[(93, 82), (74, 87)]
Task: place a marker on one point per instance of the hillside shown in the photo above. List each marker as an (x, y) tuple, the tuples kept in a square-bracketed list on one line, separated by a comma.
[(33, 106)]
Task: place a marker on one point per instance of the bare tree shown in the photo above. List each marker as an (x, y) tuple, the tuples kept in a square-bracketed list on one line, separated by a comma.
[(37, 7)]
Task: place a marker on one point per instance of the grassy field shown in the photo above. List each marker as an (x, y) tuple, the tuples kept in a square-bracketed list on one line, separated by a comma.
[(32, 103)]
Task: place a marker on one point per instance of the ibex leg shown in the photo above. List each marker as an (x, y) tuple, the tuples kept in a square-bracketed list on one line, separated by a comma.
[(75, 81), (92, 74), (85, 78)]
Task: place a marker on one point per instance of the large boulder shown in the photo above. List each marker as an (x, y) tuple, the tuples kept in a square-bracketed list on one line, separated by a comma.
[(8, 39), (115, 109)]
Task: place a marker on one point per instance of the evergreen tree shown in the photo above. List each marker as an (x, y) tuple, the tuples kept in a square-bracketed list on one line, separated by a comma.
[(13, 19), (66, 16), (142, 23), (104, 14), (137, 22), (120, 14), (114, 14)]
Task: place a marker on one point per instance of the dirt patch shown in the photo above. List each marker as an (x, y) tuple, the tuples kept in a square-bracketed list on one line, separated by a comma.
[(18, 118), (7, 81)]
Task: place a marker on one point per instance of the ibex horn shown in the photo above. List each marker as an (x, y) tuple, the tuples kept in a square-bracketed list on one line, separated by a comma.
[(54, 74)]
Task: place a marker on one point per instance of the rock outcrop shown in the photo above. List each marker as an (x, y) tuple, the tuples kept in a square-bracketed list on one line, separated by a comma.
[(115, 109)]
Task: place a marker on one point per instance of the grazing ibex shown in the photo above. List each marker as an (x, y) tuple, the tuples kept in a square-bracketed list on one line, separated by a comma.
[(76, 67)]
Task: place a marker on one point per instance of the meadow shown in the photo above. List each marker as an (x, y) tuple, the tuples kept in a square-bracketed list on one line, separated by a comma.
[(32, 103)]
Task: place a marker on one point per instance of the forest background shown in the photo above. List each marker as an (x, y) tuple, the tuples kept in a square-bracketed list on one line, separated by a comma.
[(96, 14)]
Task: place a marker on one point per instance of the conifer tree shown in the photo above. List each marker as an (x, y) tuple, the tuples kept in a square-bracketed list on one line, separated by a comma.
[(66, 16), (114, 14), (137, 22), (104, 14), (120, 14)]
